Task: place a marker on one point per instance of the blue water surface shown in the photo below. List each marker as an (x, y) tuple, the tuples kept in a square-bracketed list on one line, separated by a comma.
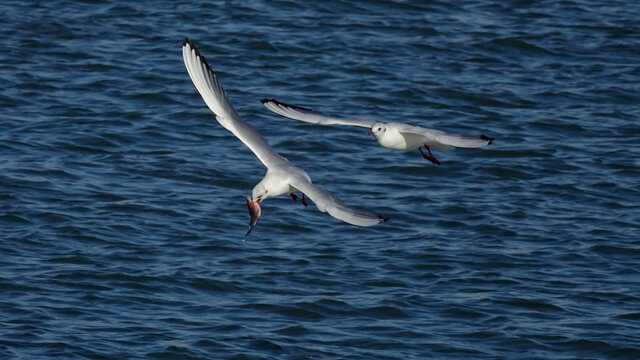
[(122, 199)]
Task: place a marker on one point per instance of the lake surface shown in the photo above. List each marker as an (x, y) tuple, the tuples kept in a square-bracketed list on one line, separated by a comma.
[(122, 199)]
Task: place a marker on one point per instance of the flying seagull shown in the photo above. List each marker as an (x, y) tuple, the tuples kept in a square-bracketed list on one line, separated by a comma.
[(396, 136), (281, 177)]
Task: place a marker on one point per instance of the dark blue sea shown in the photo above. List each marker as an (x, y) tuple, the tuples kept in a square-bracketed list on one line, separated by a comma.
[(122, 199)]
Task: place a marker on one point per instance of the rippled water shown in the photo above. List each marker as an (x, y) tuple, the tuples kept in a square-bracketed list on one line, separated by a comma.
[(123, 199)]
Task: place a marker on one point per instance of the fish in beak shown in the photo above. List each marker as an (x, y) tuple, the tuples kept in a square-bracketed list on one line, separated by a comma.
[(255, 211)]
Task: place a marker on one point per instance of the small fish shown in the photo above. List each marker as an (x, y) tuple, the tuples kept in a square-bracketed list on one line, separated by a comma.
[(255, 211)]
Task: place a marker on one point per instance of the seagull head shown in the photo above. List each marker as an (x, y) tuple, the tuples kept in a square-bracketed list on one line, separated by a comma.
[(378, 129), (259, 193)]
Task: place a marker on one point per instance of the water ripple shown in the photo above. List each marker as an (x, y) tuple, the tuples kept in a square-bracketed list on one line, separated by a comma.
[(123, 199)]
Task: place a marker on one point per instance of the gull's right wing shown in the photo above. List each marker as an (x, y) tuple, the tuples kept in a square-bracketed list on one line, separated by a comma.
[(216, 98)]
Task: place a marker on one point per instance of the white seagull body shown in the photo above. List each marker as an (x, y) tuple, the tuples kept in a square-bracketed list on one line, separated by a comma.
[(396, 136), (281, 177)]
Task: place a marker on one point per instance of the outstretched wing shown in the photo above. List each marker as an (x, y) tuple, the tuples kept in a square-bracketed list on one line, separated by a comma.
[(216, 99), (441, 140), (464, 141), (310, 116), (327, 202)]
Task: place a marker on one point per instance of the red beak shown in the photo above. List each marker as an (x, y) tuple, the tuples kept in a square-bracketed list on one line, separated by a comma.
[(370, 132)]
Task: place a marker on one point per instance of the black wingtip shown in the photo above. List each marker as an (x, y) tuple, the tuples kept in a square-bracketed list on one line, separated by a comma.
[(383, 219), (198, 54), (486, 138), (264, 100)]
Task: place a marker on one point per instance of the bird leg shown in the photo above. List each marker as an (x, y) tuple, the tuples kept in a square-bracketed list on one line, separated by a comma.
[(295, 198), (430, 157)]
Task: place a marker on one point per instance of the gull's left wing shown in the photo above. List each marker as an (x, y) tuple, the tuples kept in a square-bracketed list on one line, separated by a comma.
[(311, 116), (327, 202)]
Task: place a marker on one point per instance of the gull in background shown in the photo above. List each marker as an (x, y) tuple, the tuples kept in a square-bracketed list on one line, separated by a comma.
[(281, 177), (396, 136)]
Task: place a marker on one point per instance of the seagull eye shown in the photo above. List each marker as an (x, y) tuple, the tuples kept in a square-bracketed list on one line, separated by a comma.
[(379, 129)]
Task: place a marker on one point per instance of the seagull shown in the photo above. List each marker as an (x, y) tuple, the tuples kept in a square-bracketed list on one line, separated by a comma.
[(281, 177), (396, 136)]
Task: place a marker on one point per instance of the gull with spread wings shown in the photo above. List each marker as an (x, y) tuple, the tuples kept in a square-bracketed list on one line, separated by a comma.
[(281, 177), (396, 136)]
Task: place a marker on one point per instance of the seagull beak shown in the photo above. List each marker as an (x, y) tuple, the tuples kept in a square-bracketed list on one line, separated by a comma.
[(254, 210), (370, 132)]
